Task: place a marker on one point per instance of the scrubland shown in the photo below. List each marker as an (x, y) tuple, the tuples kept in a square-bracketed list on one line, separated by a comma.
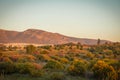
[(61, 62)]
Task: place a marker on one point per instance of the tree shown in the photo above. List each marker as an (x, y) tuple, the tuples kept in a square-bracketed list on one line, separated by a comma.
[(30, 49), (2, 47), (10, 47), (79, 46), (98, 42)]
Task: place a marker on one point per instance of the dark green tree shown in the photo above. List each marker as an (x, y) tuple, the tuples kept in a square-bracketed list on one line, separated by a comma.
[(79, 46), (30, 49), (98, 42)]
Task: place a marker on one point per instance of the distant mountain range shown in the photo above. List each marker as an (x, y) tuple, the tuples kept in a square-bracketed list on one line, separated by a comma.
[(41, 37)]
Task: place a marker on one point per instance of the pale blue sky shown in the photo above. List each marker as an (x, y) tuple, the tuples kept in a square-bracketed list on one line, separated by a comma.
[(77, 18)]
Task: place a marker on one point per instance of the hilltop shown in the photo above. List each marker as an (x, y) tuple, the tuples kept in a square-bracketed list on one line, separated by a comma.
[(41, 37)]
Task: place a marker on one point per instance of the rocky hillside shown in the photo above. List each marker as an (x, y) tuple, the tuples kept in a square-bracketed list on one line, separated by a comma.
[(40, 37)]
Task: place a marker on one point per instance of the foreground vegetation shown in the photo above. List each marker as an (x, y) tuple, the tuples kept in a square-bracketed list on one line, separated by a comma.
[(61, 62)]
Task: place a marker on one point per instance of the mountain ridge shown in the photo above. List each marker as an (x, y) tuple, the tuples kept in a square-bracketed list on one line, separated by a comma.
[(41, 37)]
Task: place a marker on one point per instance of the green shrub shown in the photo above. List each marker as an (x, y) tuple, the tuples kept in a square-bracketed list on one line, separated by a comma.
[(52, 64), (77, 68), (33, 69), (107, 52), (44, 52), (116, 66), (30, 49), (64, 60), (91, 64), (90, 55), (23, 68), (103, 71), (46, 47), (43, 57), (55, 58), (36, 73), (7, 67)]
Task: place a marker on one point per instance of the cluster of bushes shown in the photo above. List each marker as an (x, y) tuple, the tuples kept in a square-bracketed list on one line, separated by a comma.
[(17, 57), (60, 59), (96, 61), (103, 71), (7, 67), (22, 68), (106, 49)]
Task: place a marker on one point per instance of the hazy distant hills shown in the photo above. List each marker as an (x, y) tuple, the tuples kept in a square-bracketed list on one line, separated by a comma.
[(40, 37)]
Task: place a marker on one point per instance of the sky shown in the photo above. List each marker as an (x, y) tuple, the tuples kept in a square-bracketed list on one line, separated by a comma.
[(77, 18)]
